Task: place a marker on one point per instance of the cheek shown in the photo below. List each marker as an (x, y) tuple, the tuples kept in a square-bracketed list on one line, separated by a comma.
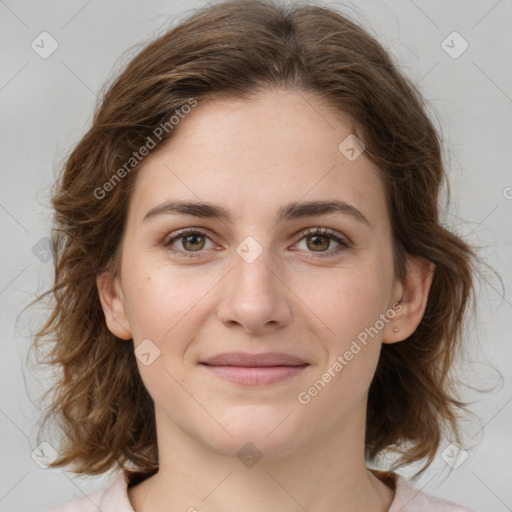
[(162, 299), (353, 316), (357, 298), (352, 335)]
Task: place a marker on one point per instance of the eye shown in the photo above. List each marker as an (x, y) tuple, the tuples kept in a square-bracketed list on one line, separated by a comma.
[(192, 241), (318, 240)]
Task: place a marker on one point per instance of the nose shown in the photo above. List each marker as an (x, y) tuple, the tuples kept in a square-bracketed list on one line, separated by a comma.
[(254, 295)]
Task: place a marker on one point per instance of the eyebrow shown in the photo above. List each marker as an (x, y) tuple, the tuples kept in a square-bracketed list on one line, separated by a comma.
[(290, 211)]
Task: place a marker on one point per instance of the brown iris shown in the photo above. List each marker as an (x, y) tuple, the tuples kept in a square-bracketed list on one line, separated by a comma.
[(316, 245), (194, 244)]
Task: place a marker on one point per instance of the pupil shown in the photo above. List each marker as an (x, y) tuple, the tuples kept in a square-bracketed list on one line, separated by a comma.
[(192, 240), (317, 240)]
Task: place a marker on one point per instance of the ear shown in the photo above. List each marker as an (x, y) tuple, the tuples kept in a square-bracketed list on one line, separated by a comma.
[(112, 302), (410, 299)]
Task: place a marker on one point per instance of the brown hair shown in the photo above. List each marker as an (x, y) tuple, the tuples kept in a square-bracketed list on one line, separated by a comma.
[(235, 49)]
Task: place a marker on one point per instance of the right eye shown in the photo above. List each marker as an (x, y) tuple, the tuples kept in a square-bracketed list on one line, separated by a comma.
[(192, 241)]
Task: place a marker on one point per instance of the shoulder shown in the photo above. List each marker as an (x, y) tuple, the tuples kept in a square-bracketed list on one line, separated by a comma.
[(409, 499), (112, 499)]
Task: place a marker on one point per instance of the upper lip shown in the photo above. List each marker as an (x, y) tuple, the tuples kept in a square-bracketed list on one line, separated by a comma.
[(254, 360)]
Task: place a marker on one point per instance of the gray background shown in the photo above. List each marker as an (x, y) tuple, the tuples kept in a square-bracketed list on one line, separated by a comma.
[(47, 103)]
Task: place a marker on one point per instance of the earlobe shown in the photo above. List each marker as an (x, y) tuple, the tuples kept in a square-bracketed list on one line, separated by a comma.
[(412, 300), (112, 303)]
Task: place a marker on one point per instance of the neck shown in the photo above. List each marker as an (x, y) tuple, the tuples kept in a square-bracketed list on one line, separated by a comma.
[(328, 474)]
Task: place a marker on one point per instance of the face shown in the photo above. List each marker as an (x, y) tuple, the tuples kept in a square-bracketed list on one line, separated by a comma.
[(260, 270)]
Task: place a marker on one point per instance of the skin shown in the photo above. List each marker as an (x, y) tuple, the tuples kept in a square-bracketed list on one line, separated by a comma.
[(252, 157)]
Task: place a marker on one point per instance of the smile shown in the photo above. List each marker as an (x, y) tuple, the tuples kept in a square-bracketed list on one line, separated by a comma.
[(255, 375), (255, 369)]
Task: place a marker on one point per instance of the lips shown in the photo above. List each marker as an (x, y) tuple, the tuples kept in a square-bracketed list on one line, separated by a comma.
[(255, 369), (248, 360)]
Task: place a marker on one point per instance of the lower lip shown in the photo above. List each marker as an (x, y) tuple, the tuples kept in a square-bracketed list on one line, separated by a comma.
[(256, 376)]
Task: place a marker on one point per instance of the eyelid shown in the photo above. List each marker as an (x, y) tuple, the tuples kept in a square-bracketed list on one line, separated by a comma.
[(321, 231)]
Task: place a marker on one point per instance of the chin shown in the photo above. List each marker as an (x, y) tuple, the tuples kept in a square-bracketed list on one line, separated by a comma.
[(261, 426)]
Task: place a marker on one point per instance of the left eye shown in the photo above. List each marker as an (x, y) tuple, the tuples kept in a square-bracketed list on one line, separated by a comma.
[(194, 241), (320, 238)]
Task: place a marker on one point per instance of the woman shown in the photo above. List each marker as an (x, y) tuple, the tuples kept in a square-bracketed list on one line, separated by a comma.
[(254, 296)]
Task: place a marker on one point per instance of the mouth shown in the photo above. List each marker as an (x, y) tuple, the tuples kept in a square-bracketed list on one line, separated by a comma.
[(255, 369)]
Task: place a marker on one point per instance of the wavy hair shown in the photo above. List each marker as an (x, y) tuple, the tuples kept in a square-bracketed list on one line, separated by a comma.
[(235, 49)]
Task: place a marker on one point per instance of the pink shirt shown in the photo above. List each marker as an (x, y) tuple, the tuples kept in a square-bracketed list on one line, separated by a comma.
[(115, 498)]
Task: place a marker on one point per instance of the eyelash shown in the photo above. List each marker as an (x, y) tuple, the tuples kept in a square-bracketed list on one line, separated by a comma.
[(324, 232)]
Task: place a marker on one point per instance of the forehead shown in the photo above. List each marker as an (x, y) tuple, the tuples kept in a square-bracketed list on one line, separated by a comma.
[(255, 155)]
